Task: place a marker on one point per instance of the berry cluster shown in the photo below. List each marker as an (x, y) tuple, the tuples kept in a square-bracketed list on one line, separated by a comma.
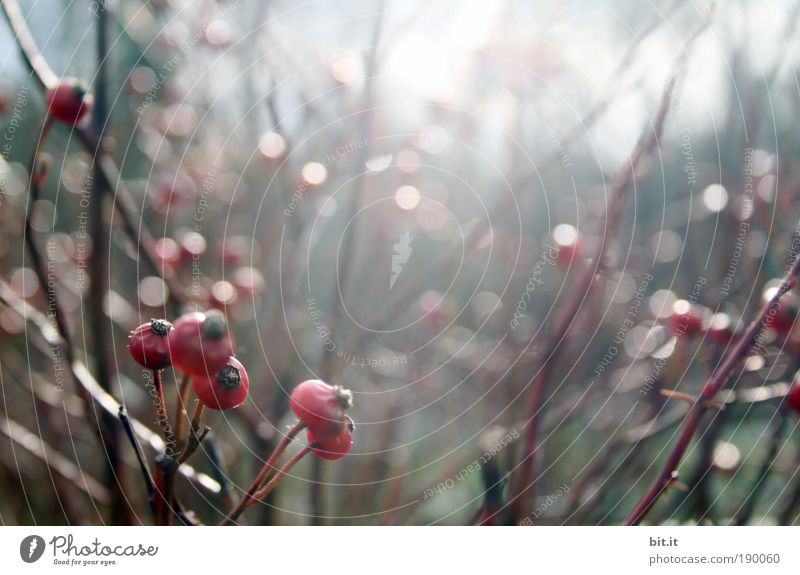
[(688, 320), (322, 408), (201, 346)]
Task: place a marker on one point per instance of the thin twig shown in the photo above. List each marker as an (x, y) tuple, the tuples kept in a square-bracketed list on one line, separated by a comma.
[(526, 474), (55, 309), (99, 272), (199, 407), (218, 470), (264, 473), (180, 410), (712, 387), (137, 449), (599, 109), (196, 438), (280, 474), (161, 408)]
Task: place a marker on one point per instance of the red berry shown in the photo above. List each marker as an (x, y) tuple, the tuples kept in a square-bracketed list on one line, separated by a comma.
[(785, 313), (793, 397), (335, 446), (200, 344), (321, 407), (225, 389), (149, 345), (68, 101), (720, 329), (686, 319)]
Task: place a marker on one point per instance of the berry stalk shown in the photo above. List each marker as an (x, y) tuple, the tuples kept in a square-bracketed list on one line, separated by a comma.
[(161, 410), (180, 410), (264, 491), (264, 473)]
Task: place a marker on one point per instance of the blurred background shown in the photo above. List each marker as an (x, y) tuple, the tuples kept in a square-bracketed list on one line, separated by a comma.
[(400, 198)]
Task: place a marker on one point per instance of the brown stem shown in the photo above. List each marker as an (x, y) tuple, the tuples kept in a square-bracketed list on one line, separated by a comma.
[(98, 266), (194, 442), (167, 464), (255, 485), (198, 414), (674, 394), (196, 435), (165, 507), (55, 310), (712, 387), (161, 411)]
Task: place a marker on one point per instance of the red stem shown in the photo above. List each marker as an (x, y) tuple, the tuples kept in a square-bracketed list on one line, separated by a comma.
[(255, 485), (264, 491), (526, 474), (711, 388)]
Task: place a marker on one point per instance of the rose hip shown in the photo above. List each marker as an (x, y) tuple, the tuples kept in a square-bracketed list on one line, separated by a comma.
[(225, 389), (321, 407), (68, 101), (200, 343), (686, 319), (335, 446), (149, 344)]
